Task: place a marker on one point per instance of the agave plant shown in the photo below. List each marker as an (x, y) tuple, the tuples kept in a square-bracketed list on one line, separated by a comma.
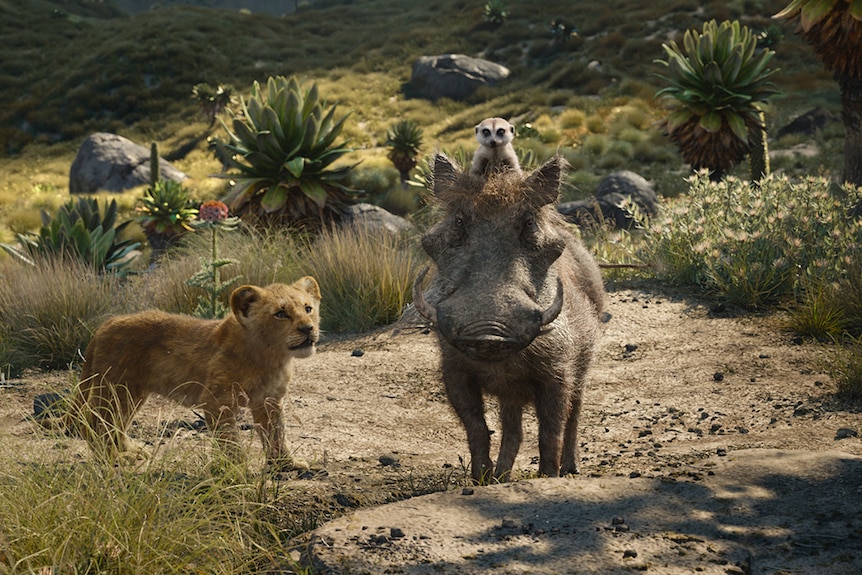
[(718, 82), (404, 139), (165, 212), (833, 28), (283, 146), (78, 230)]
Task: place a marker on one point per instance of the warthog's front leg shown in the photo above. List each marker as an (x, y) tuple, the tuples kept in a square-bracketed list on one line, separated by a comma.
[(465, 395), (510, 443), (571, 461), (552, 410)]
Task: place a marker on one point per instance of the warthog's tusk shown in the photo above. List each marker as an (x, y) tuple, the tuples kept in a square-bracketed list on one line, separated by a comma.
[(425, 309), (556, 307)]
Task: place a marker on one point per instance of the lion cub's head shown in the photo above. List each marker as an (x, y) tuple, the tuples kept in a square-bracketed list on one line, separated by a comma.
[(281, 314)]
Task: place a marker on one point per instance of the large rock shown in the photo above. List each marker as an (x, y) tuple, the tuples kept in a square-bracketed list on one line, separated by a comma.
[(375, 219), (454, 76), (609, 196), (112, 163)]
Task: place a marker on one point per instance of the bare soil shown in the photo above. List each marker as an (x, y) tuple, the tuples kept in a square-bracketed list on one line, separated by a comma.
[(678, 384)]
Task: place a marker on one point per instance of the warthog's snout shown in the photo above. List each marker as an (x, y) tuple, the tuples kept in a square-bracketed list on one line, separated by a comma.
[(488, 339)]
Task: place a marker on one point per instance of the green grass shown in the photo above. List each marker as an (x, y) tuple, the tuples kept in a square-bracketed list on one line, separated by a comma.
[(167, 515)]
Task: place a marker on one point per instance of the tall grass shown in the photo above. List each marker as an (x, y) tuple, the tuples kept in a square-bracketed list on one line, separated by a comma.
[(49, 311), (92, 518), (366, 278)]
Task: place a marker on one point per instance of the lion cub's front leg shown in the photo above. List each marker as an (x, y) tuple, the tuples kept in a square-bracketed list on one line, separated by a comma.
[(268, 417)]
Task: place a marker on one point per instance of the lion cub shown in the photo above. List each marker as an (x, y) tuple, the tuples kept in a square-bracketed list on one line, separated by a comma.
[(216, 366)]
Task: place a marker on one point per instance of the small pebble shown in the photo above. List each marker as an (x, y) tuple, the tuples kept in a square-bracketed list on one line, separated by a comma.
[(718, 376), (357, 353), (468, 491), (846, 432), (630, 554)]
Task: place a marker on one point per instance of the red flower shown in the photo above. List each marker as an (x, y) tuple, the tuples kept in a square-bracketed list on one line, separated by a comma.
[(213, 211)]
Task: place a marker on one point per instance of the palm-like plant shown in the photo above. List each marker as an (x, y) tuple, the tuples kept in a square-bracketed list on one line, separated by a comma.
[(283, 145), (833, 28), (165, 212), (404, 140), (718, 82)]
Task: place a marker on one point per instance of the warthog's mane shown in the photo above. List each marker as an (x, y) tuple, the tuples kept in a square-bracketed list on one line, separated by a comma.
[(502, 192)]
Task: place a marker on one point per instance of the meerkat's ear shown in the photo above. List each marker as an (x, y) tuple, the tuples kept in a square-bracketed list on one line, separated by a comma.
[(242, 299), (512, 128), (309, 284), (476, 129)]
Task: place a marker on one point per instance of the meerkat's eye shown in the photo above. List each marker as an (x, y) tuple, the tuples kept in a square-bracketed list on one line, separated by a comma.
[(486, 132), (281, 314), (308, 309), (501, 132)]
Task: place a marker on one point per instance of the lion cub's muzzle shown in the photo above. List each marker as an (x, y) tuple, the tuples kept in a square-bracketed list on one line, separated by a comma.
[(309, 336)]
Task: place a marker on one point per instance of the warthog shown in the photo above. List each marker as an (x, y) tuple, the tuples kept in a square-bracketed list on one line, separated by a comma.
[(517, 302)]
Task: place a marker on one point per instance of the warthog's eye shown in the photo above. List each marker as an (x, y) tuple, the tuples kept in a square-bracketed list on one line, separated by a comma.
[(281, 314), (308, 309)]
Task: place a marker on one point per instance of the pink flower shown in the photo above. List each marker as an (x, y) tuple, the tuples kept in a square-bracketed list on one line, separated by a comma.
[(213, 211)]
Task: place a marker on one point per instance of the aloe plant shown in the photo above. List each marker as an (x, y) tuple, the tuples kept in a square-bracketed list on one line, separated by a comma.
[(718, 82), (283, 146), (833, 28), (165, 212), (78, 230), (404, 140)]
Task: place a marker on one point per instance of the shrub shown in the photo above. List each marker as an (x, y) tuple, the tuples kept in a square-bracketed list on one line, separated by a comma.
[(754, 245), (844, 365)]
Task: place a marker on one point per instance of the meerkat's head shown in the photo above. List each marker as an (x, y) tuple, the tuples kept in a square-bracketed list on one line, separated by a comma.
[(494, 132)]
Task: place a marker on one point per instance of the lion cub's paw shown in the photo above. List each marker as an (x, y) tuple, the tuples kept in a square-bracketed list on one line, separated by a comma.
[(288, 464)]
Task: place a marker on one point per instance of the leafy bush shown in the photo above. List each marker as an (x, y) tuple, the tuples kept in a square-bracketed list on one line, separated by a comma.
[(79, 231), (756, 245), (404, 140), (283, 145)]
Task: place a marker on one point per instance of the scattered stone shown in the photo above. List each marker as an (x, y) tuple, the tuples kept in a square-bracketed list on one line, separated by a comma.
[(845, 432), (357, 353), (48, 405), (721, 452), (630, 554), (396, 533), (388, 461), (718, 376), (468, 491)]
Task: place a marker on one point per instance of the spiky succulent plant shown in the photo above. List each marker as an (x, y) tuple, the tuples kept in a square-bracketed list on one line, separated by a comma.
[(404, 140), (283, 146), (833, 28), (718, 81)]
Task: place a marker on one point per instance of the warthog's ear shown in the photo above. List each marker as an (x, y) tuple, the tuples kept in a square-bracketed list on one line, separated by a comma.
[(544, 182), (242, 299), (446, 173), (309, 285)]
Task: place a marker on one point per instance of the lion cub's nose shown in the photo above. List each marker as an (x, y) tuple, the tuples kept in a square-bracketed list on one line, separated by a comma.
[(306, 329)]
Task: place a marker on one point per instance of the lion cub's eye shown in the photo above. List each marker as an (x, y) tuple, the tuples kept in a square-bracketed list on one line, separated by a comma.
[(281, 314), (308, 309)]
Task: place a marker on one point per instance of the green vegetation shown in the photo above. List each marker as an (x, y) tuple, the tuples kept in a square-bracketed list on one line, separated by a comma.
[(283, 145), (404, 140), (81, 232), (718, 84), (756, 246)]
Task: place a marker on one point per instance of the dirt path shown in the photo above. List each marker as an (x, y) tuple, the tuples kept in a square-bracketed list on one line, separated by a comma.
[(674, 386)]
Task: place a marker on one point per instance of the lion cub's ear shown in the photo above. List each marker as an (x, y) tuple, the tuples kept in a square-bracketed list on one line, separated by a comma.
[(242, 298), (309, 285)]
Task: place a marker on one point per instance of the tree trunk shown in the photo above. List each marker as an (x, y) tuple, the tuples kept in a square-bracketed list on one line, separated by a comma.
[(851, 115)]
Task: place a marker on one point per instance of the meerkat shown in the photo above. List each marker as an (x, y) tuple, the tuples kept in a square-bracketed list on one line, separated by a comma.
[(495, 151)]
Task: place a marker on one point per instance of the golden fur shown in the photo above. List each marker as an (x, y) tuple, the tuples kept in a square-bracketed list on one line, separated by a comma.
[(215, 366)]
